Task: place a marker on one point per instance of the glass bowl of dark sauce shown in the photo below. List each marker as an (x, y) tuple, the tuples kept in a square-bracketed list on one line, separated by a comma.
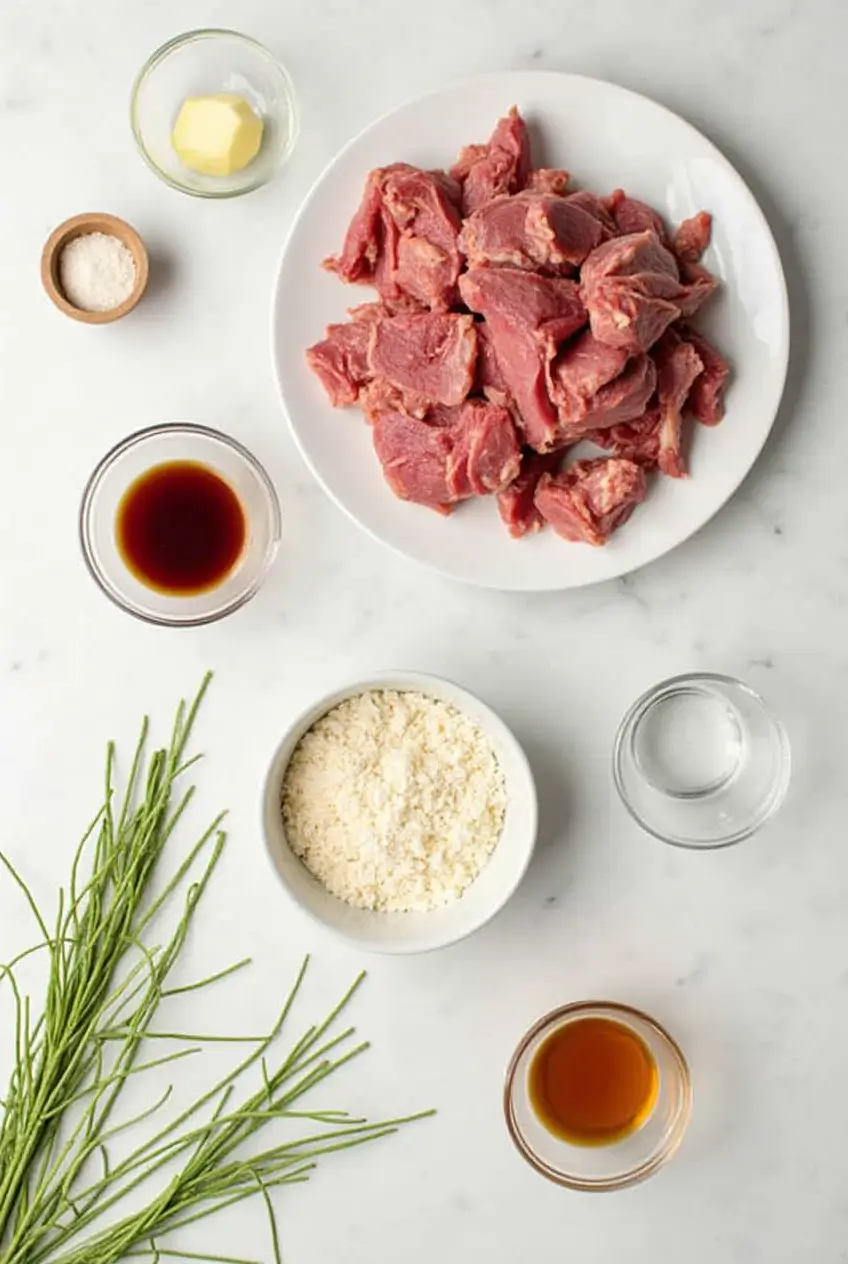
[(179, 524)]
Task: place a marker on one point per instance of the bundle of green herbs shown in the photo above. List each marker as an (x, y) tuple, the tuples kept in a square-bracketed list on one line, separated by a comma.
[(61, 1191)]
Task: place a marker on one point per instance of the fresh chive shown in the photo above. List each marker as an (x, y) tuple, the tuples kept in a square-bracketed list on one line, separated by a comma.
[(62, 1103)]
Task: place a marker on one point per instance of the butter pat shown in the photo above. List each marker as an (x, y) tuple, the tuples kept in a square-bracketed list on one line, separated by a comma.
[(217, 135)]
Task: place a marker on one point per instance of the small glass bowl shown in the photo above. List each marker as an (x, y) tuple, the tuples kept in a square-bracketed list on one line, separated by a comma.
[(622, 1163), (700, 761), (134, 456), (203, 62)]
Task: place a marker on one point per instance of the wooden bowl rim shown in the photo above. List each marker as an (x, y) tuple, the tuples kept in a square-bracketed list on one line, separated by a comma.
[(79, 226)]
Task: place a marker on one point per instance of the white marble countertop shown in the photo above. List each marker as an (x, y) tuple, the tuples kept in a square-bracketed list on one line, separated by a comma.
[(741, 953)]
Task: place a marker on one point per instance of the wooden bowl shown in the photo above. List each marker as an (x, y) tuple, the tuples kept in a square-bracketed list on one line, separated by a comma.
[(79, 226)]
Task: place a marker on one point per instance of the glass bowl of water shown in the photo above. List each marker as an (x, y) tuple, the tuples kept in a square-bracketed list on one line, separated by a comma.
[(700, 761)]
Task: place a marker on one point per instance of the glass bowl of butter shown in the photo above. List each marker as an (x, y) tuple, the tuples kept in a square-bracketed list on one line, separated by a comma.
[(214, 114)]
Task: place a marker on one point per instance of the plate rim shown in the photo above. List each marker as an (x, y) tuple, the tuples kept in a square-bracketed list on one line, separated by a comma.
[(468, 82)]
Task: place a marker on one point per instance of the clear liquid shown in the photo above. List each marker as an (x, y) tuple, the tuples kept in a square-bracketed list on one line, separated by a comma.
[(689, 743)]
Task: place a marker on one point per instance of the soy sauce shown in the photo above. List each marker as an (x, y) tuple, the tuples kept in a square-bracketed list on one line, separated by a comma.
[(593, 1082), (180, 528)]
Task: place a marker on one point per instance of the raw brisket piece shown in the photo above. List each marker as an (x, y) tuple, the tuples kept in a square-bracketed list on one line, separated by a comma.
[(487, 454), (700, 285), (537, 231), (620, 401), (414, 456), (637, 440), (453, 453), (693, 237), (528, 317), (633, 216), (706, 400), (341, 359), (595, 385), (590, 500), (497, 234), (516, 503), (632, 291), (428, 357), (489, 379), (579, 372), (402, 239), (594, 206), (379, 396), (678, 365), (501, 166), (363, 243), (424, 208), (523, 300)]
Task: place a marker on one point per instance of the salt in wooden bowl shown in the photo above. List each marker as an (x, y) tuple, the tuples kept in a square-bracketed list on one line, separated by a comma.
[(79, 226)]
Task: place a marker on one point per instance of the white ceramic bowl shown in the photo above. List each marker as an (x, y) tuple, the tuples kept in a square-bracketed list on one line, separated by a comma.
[(411, 932)]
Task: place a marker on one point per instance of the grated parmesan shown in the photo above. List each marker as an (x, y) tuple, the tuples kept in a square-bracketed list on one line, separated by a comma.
[(394, 801)]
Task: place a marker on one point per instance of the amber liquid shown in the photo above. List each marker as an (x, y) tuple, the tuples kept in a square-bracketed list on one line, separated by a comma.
[(180, 528), (593, 1082)]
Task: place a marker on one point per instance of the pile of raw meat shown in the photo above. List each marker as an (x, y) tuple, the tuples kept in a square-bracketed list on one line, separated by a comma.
[(514, 320)]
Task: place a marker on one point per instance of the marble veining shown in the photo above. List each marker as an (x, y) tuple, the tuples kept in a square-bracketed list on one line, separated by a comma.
[(740, 953)]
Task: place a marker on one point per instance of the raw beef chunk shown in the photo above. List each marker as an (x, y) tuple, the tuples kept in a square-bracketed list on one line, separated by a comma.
[(364, 242), (595, 385), (678, 365), (414, 456), (693, 237), (590, 500), (403, 238), (629, 286), (489, 379), (487, 454), (428, 357), (529, 317), (537, 231), (595, 206), (517, 502), (341, 359), (448, 456), (700, 285), (579, 372), (706, 398), (620, 401), (633, 216), (637, 440), (501, 166), (655, 437)]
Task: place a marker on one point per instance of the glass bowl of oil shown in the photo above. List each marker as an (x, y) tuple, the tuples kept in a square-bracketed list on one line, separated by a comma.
[(179, 524), (597, 1096), (701, 761)]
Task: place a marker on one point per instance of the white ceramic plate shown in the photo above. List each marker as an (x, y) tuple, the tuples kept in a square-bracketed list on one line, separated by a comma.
[(478, 904), (607, 137)]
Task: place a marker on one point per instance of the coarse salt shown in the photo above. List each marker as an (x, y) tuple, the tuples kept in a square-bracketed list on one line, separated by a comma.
[(394, 801), (96, 272)]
